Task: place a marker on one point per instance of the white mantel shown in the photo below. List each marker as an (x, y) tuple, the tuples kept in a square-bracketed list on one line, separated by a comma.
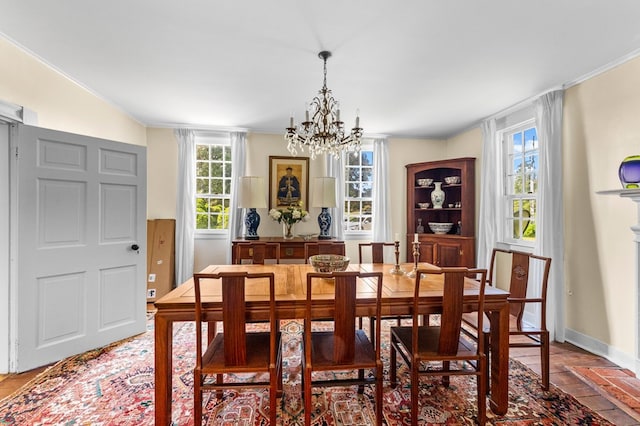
[(634, 195)]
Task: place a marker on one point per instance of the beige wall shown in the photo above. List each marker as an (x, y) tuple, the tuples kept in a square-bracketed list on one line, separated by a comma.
[(600, 129), (59, 103), (162, 173)]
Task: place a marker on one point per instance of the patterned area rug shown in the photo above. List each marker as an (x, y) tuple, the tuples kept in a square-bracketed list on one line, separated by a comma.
[(619, 385), (114, 386)]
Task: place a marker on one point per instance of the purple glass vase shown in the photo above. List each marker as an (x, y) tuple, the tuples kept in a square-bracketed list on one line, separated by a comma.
[(629, 172)]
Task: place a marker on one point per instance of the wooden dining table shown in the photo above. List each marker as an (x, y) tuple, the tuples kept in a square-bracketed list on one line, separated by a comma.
[(397, 296)]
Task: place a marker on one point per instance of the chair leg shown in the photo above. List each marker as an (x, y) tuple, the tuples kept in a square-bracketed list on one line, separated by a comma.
[(197, 400), (372, 330), (273, 395), (482, 391), (307, 396), (219, 380), (544, 358), (487, 351), (379, 374), (415, 386), (392, 365), (446, 366)]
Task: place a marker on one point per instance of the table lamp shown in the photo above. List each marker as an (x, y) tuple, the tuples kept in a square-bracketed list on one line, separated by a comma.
[(324, 196), (251, 195)]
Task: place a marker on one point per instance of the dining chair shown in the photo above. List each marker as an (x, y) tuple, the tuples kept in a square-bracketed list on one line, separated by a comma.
[(525, 276), (345, 348), (375, 254), (323, 247), (430, 350), (256, 251), (236, 350)]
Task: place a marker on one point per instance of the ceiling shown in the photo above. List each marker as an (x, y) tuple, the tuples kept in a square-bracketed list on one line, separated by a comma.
[(413, 68)]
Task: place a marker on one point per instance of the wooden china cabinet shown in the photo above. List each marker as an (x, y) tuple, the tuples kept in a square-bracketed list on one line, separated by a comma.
[(457, 246)]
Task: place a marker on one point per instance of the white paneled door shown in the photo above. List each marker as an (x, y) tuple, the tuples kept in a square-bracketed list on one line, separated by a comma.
[(80, 218)]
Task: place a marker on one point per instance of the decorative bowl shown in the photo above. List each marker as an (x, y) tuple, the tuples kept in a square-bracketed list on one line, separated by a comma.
[(440, 227), (425, 182), (423, 205), (449, 180), (329, 262)]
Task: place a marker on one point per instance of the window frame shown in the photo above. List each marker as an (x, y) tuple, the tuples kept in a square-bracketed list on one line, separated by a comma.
[(510, 197), (212, 139), (366, 146)]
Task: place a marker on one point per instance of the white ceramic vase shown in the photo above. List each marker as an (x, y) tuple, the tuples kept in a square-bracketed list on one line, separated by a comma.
[(437, 196)]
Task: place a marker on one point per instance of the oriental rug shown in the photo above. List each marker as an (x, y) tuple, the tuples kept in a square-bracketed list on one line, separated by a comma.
[(114, 385)]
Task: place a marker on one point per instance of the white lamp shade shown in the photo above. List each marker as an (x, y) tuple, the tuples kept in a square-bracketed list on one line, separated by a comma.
[(251, 193), (324, 192)]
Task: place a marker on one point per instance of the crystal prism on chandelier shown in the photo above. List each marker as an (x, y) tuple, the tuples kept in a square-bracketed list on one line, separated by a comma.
[(324, 132)]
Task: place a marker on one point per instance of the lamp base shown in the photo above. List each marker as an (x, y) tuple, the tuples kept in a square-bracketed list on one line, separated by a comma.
[(324, 221), (251, 222)]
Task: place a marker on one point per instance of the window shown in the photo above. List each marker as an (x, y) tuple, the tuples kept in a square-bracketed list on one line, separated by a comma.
[(213, 183), (521, 182), (358, 179)]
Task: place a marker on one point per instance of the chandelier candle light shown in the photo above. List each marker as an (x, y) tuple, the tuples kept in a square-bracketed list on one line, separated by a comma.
[(251, 195), (323, 132), (324, 196)]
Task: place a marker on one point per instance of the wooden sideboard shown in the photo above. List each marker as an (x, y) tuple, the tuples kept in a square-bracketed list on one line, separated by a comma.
[(292, 249)]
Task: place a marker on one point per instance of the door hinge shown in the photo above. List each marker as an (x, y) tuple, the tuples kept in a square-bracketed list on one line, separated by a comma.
[(16, 152)]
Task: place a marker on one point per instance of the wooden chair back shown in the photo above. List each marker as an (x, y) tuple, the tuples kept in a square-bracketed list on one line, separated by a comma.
[(258, 251), (521, 268), (377, 251), (233, 288), (323, 247), (343, 310), (453, 305)]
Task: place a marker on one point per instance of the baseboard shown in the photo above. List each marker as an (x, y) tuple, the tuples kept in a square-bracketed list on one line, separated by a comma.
[(602, 349)]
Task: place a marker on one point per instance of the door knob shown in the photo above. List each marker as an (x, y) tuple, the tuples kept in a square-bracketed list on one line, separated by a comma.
[(135, 248)]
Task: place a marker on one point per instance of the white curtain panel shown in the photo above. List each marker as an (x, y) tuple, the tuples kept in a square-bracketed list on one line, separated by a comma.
[(491, 188), (550, 235), (381, 199), (185, 206), (335, 168), (239, 160)]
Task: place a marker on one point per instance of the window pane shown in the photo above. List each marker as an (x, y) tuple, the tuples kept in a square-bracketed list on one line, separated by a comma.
[(216, 153), (202, 169), (367, 174), (202, 152), (202, 186), (216, 186), (353, 190), (367, 190), (353, 174), (216, 169), (353, 159), (367, 158), (202, 221)]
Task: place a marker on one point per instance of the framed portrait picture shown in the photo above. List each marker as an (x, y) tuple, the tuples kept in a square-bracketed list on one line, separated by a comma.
[(288, 181)]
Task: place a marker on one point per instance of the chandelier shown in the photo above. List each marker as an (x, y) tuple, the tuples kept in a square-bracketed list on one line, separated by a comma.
[(324, 132)]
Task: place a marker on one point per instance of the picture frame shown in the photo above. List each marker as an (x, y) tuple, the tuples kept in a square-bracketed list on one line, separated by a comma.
[(295, 182)]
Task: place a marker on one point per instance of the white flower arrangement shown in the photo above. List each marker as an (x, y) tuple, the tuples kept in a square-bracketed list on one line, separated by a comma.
[(290, 215)]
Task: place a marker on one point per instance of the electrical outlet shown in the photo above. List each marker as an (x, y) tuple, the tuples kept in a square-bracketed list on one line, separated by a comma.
[(152, 278), (151, 293)]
